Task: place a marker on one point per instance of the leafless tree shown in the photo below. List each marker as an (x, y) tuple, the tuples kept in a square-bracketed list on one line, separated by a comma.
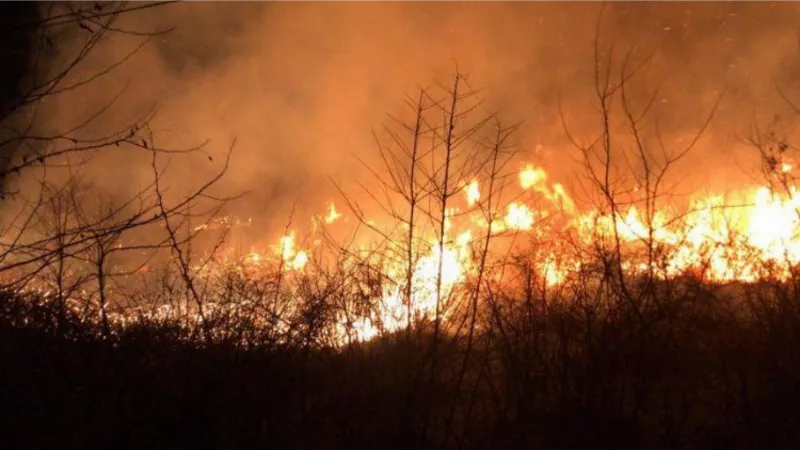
[(63, 38)]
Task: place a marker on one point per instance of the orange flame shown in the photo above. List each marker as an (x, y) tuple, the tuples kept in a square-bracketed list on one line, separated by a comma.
[(473, 193), (720, 242)]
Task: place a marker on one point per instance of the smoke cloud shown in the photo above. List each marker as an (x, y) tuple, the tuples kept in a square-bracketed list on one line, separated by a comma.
[(301, 85)]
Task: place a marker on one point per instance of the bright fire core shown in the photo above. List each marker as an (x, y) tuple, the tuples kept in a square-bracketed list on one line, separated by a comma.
[(710, 239)]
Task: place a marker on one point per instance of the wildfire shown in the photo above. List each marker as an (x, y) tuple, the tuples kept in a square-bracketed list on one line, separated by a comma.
[(292, 258), (519, 217), (774, 224), (531, 177), (473, 193), (333, 214), (711, 238)]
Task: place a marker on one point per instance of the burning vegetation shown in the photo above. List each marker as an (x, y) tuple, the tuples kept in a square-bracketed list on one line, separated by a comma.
[(469, 249), (466, 295)]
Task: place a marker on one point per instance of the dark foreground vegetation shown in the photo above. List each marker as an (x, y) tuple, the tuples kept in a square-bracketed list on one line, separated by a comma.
[(696, 373)]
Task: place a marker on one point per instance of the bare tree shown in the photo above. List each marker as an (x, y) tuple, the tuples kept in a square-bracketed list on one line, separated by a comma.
[(62, 39), (63, 36)]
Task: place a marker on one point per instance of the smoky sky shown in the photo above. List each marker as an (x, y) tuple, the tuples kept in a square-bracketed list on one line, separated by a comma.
[(301, 85)]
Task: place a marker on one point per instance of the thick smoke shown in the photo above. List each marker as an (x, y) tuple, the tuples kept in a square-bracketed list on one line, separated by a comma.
[(300, 85)]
